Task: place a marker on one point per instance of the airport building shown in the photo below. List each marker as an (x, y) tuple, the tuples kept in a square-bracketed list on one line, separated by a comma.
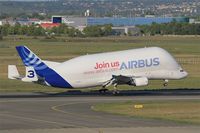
[(71, 21), (88, 21), (120, 25), (116, 22), (133, 21)]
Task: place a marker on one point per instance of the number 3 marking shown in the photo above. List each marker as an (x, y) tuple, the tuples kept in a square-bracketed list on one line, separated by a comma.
[(31, 74)]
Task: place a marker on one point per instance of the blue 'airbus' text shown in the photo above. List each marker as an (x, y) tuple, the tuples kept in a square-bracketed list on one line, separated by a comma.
[(140, 63)]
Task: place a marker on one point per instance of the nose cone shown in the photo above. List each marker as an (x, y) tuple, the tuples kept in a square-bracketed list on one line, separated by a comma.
[(184, 74)]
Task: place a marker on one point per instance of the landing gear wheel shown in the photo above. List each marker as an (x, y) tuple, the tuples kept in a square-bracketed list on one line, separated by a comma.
[(103, 90), (115, 92), (165, 84)]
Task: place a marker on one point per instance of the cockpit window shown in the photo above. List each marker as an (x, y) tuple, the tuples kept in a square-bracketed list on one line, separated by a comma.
[(181, 70)]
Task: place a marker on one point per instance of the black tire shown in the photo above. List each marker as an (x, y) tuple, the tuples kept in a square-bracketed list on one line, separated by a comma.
[(103, 90), (165, 84), (116, 92)]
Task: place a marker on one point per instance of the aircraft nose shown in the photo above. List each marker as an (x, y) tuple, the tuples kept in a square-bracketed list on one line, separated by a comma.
[(185, 74)]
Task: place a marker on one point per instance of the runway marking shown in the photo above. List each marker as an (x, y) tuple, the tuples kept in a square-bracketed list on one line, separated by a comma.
[(40, 120), (50, 122), (55, 108)]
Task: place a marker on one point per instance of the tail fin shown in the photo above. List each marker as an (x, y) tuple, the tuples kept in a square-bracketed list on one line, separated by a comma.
[(31, 60), (42, 70)]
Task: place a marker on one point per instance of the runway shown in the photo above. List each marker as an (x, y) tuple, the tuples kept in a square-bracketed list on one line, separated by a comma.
[(74, 113)]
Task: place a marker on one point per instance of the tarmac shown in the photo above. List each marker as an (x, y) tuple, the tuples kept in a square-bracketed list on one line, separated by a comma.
[(38, 112)]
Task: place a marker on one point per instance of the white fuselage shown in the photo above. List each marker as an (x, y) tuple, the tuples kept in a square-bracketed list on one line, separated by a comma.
[(95, 69)]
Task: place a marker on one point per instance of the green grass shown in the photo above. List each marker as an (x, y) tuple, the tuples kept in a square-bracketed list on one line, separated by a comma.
[(185, 49), (178, 111)]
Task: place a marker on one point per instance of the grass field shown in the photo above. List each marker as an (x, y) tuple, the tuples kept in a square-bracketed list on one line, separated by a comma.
[(178, 111), (186, 49)]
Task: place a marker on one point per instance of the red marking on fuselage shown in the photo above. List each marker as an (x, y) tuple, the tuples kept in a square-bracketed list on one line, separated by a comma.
[(105, 65)]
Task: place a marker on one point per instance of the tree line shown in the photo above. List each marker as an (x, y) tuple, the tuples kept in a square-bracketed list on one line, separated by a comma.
[(37, 30), (18, 29), (173, 28)]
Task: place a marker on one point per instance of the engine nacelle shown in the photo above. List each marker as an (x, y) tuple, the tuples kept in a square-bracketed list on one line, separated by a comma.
[(141, 81)]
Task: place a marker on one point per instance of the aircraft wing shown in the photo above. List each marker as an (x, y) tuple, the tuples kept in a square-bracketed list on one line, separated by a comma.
[(120, 79)]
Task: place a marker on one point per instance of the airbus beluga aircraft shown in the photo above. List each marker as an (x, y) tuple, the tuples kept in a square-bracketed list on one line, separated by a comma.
[(134, 67)]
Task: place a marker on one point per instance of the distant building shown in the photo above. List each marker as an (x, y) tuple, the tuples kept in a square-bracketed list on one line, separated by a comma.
[(126, 30), (193, 21), (22, 21), (134, 21), (56, 19), (115, 21), (87, 13), (35, 21), (71, 21), (9, 21), (49, 25)]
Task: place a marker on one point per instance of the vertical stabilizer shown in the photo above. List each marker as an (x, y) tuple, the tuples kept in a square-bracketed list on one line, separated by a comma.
[(32, 60), (37, 68)]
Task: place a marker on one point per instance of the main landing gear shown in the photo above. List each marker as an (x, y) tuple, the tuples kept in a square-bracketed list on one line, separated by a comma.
[(114, 92), (165, 82), (103, 90)]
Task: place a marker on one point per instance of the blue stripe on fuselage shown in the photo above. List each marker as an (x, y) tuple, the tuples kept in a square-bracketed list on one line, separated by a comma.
[(53, 78)]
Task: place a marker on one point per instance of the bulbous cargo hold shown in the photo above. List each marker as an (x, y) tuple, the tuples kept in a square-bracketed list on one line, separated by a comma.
[(153, 63)]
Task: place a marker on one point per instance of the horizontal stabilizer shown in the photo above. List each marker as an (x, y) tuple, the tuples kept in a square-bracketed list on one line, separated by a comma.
[(13, 72)]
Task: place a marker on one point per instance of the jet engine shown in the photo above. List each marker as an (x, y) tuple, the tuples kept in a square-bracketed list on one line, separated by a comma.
[(140, 81)]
